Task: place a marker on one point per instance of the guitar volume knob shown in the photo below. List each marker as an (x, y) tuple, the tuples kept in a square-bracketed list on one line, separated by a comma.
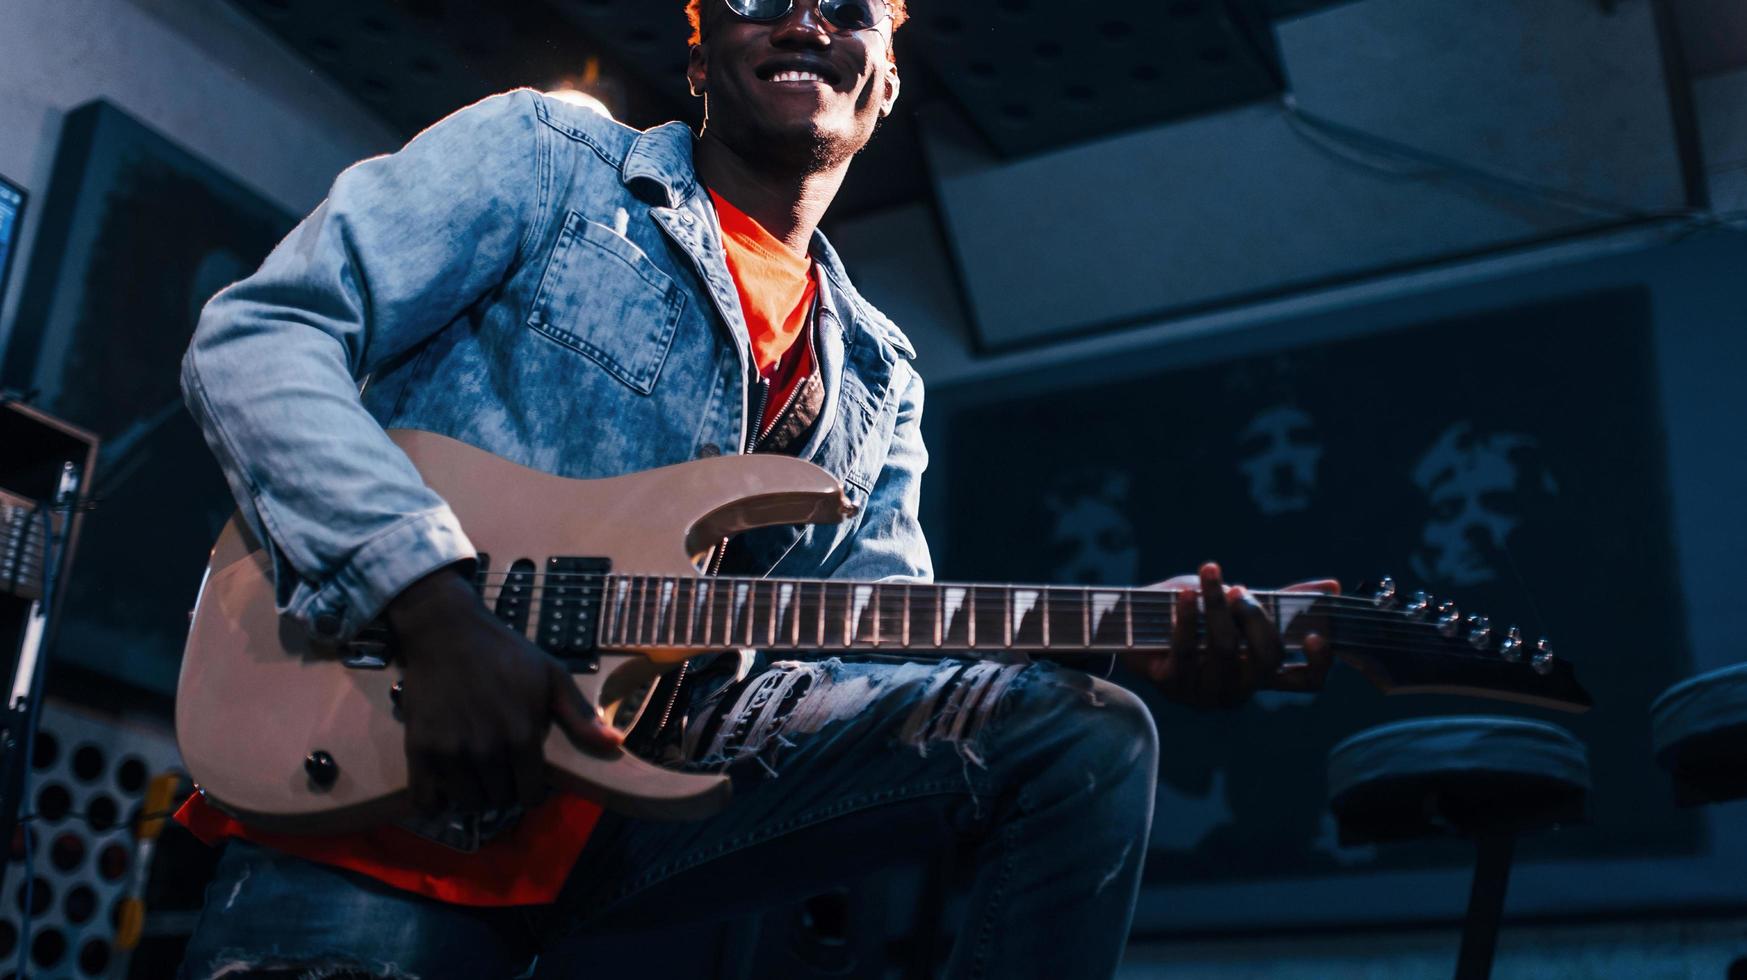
[(321, 768)]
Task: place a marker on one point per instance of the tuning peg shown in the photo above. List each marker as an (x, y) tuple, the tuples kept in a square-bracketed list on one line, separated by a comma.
[(1419, 606), (1479, 632), (1512, 647), (1543, 661), (1386, 595), (1449, 619)]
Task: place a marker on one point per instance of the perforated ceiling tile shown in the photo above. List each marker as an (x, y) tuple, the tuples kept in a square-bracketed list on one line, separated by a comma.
[(415, 61), (1031, 76), (1035, 76)]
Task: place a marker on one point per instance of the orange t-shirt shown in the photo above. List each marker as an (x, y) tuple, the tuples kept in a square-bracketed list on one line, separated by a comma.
[(777, 290), (527, 864)]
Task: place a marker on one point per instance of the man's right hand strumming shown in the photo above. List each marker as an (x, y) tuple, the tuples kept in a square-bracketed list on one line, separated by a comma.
[(478, 700)]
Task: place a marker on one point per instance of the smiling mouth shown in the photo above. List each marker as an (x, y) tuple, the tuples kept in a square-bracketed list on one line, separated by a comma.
[(798, 78)]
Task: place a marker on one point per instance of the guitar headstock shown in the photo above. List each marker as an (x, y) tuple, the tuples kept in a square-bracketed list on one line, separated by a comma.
[(1409, 644)]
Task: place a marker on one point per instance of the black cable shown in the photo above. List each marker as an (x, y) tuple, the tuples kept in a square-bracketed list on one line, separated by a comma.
[(51, 569), (1330, 136)]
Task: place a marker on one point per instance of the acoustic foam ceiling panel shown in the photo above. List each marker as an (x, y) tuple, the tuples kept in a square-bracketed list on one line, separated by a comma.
[(1036, 76), (1230, 207)]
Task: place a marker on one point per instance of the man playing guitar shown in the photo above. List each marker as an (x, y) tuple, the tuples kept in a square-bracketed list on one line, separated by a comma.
[(589, 300)]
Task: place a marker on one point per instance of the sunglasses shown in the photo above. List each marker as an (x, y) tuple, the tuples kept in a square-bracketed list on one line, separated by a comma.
[(845, 15)]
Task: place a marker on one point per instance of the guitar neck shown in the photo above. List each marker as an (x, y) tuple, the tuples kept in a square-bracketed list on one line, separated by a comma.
[(791, 615)]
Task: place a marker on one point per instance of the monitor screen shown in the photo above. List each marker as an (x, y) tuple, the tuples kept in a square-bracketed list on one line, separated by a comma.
[(11, 211)]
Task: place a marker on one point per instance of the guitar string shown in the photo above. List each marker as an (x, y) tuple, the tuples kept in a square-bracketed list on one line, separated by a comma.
[(538, 582), (1410, 635), (1145, 602)]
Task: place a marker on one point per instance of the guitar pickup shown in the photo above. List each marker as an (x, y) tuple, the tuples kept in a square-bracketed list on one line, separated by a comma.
[(570, 604), (516, 595)]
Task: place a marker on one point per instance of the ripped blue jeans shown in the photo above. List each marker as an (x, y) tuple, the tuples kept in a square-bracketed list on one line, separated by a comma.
[(1039, 780)]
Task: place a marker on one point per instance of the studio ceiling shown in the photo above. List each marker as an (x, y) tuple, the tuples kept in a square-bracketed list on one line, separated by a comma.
[(1027, 75)]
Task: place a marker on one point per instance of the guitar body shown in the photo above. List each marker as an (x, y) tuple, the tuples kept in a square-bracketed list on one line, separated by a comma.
[(257, 696)]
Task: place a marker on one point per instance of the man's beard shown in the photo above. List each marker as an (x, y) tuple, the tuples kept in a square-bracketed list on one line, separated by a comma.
[(796, 151)]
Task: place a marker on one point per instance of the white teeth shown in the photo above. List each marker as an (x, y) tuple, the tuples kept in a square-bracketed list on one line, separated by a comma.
[(796, 76)]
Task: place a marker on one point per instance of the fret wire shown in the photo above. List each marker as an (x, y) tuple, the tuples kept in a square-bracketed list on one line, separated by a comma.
[(876, 614), (1043, 597), (638, 589), (905, 642), (709, 609), (821, 616), (970, 608), (747, 596), (1128, 614), (1086, 616), (939, 614), (609, 619), (774, 612), (621, 606), (848, 615), (730, 620), (673, 614), (638, 635), (625, 634), (726, 589), (752, 617), (603, 636), (669, 600), (666, 610), (691, 610), (1007, 619)]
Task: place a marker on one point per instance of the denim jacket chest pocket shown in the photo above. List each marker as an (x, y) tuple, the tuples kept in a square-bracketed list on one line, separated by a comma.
[(601, 296)]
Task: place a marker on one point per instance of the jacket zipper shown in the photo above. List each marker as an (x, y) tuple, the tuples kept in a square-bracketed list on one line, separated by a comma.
[(760, 401)]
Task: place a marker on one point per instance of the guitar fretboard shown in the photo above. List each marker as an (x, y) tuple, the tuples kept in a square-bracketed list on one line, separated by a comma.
[(812, 615)]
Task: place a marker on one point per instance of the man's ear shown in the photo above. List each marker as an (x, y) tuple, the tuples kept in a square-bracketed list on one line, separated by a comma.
[(893, 85), (697, 70)]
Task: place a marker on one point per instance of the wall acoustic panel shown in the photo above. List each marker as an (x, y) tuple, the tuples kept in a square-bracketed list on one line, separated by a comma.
[(1261, 201)]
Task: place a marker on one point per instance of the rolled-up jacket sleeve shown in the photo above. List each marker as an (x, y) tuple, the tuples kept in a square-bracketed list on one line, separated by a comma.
[(888, 544), (403, 245)]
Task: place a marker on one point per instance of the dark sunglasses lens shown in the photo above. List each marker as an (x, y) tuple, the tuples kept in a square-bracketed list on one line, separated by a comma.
[(760, 9), (853, 15)]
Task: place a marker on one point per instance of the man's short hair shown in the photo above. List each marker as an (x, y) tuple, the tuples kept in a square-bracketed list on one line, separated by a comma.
[(694, 12)]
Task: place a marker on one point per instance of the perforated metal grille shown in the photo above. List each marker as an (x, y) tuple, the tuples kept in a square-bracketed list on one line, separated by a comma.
[(86, 787)]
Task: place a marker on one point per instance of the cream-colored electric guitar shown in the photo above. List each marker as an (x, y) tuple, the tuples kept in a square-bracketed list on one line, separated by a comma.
[(297, 736)]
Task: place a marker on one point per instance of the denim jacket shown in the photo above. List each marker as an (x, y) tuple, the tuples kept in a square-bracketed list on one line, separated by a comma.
[(536, 280)]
